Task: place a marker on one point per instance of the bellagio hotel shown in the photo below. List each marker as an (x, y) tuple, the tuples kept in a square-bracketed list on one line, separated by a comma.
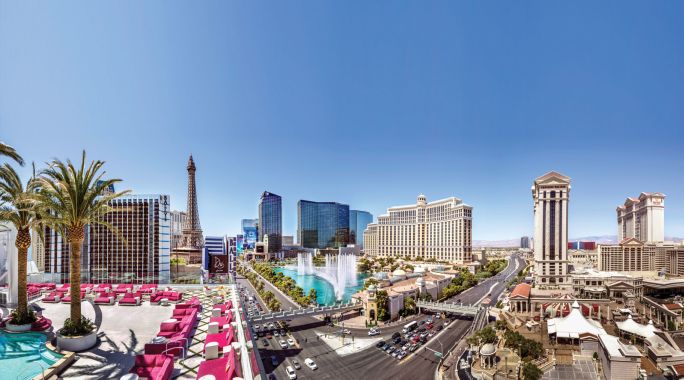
[(441, 230)]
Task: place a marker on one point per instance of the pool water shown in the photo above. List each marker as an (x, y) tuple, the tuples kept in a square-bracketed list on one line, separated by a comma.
[(24, 355), (325, 293)]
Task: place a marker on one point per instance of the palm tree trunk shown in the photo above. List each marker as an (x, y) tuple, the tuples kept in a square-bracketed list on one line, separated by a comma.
[(22, 300), (75, 274)]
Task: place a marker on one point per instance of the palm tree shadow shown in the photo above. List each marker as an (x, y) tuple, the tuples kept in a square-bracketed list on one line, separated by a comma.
[(106, 364)]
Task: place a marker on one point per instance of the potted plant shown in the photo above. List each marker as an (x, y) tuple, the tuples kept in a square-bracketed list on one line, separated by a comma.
[(77, 336)]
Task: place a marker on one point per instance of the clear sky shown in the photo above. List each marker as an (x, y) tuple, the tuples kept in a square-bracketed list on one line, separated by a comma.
[(366, 103)]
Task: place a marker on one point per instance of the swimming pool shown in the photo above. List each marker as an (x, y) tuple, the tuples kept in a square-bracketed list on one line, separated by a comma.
[(24, 355)]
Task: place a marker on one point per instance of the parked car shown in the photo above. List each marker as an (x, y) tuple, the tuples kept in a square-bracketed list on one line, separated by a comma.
[(291, 373), (373, 332), (440, 327), (276, 333), (413, 347), (406, 346), (310, 363), (295, 364), (290, 342), (380, 344), (283, 344), (402, 355), (265, 342), (429, 326), (396, 335)]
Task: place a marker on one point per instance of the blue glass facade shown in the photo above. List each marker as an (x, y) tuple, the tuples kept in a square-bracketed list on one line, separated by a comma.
[(322, 224), (271, 220), (358, 221)]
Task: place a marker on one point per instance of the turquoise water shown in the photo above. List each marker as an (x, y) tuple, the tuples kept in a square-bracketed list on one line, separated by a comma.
[(24, 355), (325, 294)]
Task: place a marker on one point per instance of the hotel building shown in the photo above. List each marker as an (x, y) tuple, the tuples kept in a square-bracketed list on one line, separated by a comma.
[(440, 230), (142, 252), (358, 221), (271, 221), (322, 224), (632, 255), (642, 218), (37, 249), (551, 193)]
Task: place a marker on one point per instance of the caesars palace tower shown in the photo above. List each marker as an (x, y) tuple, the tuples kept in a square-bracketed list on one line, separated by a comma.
[(551, 193)]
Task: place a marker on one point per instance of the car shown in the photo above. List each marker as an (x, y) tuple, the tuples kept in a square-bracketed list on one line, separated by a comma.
[(396, 335), (386, 347), (423, 335), (431, 334), (257, 327), (295, 364), (413, 347), (402, 355), (310, 363), (396, 353), (396, 340), (264, 342), (440, 327), (406, 346), (415, 339), (346, 331), (274, 360), (429, 325), (373, 332), (290, 342), (290, 373), (429, 320), (447, 321), (282, 332), (379, 344), (423, 340), (391, 349), (268, 335), (421, 323), (276, 333), (283, 344)]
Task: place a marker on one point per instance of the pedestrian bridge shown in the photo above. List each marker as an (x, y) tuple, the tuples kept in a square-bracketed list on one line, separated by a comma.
[(305, 312), (448, 307)]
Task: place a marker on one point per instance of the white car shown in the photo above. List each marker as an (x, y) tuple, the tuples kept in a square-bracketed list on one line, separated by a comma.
[(256, 327), (346, 331), (373, 332), (290, 373), (283, 344), (310, 363), (290, 342)]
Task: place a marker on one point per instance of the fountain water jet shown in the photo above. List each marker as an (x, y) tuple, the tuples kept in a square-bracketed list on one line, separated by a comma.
[(339, 270)]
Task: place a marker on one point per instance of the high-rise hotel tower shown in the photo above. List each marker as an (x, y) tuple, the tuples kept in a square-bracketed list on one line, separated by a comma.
[(551, 193)]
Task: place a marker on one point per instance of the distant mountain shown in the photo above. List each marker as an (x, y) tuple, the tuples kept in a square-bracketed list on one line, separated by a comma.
[(601, 239)]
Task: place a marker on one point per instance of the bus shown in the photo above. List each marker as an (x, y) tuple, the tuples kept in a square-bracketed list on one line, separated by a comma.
[(410, 327)]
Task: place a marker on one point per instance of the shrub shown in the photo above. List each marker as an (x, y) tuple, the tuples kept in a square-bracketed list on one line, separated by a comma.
[(18, 318), (82, 327)]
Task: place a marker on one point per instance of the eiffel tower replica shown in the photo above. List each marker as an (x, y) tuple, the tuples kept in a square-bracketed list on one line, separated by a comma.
[(192, 241)]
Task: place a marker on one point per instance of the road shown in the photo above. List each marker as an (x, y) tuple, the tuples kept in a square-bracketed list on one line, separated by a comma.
[(371, 363)]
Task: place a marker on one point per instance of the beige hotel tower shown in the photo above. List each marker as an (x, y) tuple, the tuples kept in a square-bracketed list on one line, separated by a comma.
[(551, 193)]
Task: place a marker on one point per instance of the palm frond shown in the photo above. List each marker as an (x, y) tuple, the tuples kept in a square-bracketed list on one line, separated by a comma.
[(8, 151)]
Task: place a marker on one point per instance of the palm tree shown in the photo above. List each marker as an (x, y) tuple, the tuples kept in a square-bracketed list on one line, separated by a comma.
[(8, 151), (71, 198), (18, 208)]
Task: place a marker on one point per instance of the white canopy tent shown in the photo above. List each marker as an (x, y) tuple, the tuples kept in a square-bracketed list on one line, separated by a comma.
[(574, 325), (631, 327)]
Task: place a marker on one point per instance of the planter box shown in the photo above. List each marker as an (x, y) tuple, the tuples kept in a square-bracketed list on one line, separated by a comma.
[(18, 328), (76, 343)]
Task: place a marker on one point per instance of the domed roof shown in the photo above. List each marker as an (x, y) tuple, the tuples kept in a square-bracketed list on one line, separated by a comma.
[(398, 272), (372, 288), (488, 349), (419, 270)]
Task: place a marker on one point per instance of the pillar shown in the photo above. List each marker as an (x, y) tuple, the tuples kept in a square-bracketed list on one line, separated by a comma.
[(609, 315)]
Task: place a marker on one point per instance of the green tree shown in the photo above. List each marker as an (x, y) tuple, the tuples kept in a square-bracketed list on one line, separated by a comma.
[(409, 307), (18, 208), (71, 198), (531, 372), (382, 300), (8, 151), (313, 296)]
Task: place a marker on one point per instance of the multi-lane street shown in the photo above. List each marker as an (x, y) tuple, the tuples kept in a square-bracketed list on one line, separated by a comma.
[(371, 363)]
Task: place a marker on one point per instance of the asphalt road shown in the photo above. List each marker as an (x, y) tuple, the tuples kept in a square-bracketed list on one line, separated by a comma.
[(371, 363)]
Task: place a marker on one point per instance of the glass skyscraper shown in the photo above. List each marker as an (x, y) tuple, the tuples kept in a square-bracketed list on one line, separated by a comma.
[(358, 221), (271, 220), (322, 224)]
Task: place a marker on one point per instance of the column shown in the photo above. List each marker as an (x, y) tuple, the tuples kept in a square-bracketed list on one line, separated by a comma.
[(609, 315)]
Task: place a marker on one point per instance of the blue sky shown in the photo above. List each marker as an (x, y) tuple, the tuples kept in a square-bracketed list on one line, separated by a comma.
[(366, 104)]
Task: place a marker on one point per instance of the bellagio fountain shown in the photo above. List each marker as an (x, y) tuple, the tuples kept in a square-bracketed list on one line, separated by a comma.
[(339, 270)]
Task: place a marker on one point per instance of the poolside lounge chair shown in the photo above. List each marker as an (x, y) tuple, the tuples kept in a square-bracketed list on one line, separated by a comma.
[(123, 288), (172, 296), (221, 341), (104, 298), (221, 368), (103, 288), (148, 288), (53, 297), (64, 288), (130, 299), (67, 298), (41, 324), (153, 367)]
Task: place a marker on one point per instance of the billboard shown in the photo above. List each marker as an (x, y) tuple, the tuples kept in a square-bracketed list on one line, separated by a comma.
[(219, 264), (239, 243), (250, 237)]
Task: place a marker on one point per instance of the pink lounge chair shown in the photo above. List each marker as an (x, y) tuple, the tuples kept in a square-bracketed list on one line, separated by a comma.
[(131, 299), (153, 367), (169, 295), (67, 299), (103, 288), (104, 298), (222, 368), (53, 297), (224, 339), (41, 324), (222, 321), (148, 288), (64, 288), (123, 288)]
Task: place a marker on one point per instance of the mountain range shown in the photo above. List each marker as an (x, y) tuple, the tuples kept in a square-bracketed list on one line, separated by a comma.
[(602, 239)]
